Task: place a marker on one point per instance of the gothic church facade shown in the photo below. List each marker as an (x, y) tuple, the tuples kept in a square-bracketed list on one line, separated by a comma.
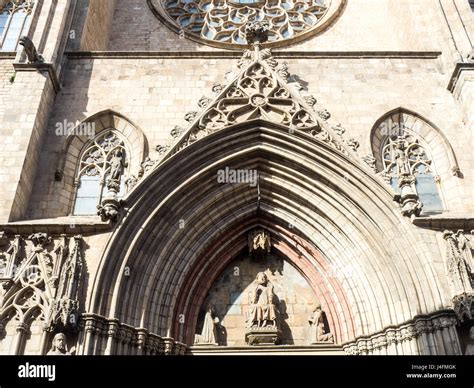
[(236, 176)]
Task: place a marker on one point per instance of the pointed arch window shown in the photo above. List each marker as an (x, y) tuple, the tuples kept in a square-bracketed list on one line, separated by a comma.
[(15, 18), (420, 163), (93, 171)]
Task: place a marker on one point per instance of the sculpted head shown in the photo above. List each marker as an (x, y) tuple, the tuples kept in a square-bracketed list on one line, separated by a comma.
[(59, 342), (262, 278)]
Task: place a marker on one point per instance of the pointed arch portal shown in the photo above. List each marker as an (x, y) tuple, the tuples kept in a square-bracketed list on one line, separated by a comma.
[(328, 215)]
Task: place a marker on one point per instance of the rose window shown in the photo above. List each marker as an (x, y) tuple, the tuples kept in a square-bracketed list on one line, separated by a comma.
[(221, 22)]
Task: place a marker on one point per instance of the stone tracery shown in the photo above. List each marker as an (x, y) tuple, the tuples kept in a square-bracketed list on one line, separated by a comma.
[(224, 21)]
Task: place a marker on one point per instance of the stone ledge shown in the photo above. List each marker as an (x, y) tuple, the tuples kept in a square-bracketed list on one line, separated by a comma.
[(442, 222), (7, 54), (274, 350), (460, 67), (42, 68), (66, 225), (237, 54)]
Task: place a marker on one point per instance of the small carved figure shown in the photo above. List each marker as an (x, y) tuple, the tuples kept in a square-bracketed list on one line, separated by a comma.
[(318, 331), (59, 347), (116, 165), (208, 334), (30, 50)]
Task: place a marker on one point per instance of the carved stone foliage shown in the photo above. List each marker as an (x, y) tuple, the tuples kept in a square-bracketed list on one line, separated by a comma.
[(463, 306), (459, 261), (225, 21), (258, 93), (99, 329), (40, 278), (398, 335)]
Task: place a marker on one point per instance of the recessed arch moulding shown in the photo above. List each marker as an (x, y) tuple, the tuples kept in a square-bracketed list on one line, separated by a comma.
[(327, 213)]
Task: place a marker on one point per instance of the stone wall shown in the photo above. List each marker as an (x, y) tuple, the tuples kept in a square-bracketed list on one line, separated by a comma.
[(95, 35), (155, 93), (6, 74)]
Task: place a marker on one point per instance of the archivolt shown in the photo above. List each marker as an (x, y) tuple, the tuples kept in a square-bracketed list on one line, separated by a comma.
[(366, 261)]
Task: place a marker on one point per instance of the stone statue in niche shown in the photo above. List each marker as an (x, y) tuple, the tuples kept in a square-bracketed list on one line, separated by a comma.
[(403, 165), (208, 335), (262, 311), (59, 347), (116, 170), (262, 316), (470, 346), (318, 330)]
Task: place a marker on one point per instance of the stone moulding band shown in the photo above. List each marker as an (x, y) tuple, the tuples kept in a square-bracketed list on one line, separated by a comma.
[(422, 324), (287, 54), (96, 327)]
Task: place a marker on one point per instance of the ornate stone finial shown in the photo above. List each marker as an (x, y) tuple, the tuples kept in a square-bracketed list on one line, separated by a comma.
[(217, 88), (353, 144), (318, 330), (131, 182), (30, 50), (371, 162), (310, 100), (176, 132), (283, 71), (324, 114), (161, 149), (339, 129), (259, 243), (204, 102), (256, 32), (190, 116), (146, 165)]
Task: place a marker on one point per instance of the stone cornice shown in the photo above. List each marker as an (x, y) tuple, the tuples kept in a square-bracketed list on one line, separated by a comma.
[(443, 222), (42, 68), (220, 54), (7, 54), (460, 67), (67, 225)]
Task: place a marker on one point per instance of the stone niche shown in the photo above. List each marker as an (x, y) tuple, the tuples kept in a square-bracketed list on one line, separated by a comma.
[(230, 295)]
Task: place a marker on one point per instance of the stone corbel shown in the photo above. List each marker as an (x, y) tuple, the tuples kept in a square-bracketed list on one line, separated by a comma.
[(109, 209)]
